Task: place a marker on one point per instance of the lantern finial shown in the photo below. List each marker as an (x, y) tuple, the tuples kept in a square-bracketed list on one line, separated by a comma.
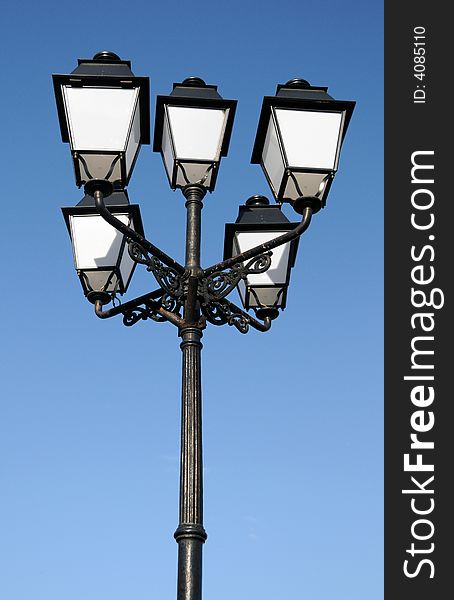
[(106, 56)]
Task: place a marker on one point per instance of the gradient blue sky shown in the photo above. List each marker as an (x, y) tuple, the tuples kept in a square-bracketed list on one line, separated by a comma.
[(89, 428)]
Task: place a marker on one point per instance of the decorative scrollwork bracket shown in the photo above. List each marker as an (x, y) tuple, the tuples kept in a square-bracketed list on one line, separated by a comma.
[(226, 313), (149, 310), (170, 280), (211, 291), (219, 284)]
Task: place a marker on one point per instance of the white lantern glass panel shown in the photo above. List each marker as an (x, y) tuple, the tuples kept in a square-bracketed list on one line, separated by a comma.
[(305, 184), (267, 285), (96, 244), (264, 296), (167, 150), (98, 280), (126, 264), (197, 132), (134, 139), (99, 118), (194, 173), (272, 157), (311, 138), (277, 272), (98, 166)]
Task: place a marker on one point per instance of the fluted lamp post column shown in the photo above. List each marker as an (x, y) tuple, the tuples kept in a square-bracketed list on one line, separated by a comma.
[(190, 534), (103, 110), (192, 131)]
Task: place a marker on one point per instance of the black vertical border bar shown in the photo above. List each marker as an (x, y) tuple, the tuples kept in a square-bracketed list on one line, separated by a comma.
[(419, 118)]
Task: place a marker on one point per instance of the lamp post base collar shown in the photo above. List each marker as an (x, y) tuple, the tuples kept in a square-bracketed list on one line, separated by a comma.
[(190, 531)]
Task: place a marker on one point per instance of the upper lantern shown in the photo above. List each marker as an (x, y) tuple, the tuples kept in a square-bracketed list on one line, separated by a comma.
[(299, 138), (104, 113), (192, 131)]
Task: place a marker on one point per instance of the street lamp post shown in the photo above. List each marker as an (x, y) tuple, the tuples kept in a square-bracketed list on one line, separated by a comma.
[(104, 115)]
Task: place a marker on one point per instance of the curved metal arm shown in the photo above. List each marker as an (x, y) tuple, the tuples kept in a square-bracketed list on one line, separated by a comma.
[(265, 326), (148, 299), (282, 239), (118, 310), (133, 235)]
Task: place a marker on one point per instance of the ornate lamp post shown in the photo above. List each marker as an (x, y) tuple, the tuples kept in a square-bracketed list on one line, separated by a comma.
[(104, 115)]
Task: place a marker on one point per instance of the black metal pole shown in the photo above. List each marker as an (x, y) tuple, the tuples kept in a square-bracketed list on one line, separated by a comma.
[(190, 534)]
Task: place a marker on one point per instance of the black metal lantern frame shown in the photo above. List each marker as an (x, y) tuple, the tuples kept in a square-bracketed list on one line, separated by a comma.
[(188, 295), (257, 216), (252, 295), (192, 93), (105, 71), (104, 282), (299, 95)]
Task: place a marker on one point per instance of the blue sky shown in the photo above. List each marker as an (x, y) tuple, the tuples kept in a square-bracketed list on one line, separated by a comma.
[(89, 428)]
